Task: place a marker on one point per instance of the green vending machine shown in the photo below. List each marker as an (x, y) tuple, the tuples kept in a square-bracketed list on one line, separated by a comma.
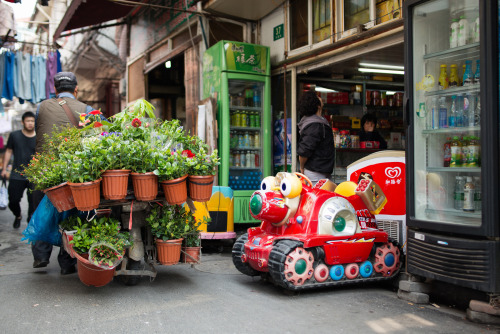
[(238, 76)]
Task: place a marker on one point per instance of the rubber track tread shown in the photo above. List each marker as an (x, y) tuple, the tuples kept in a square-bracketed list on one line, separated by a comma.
[(277, 259), (238, 249)]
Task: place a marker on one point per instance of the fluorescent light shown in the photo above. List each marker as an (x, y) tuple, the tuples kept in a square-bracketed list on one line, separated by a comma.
[(325, 90), (390, 92), (168, 64), (389, 67), (378, 70)]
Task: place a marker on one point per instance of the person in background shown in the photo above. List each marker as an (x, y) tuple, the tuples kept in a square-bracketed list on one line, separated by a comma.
[(52, 112), (316, 148), (21, 144), (369, 132)]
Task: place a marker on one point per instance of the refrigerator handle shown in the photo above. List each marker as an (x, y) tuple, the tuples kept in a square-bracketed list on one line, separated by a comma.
[(406, 110)]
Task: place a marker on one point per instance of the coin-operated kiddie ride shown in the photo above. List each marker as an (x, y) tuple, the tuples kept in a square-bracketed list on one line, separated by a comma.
[(324, 235)]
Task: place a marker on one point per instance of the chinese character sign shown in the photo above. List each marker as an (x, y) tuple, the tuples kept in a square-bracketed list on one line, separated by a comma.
[(390, 176), (244, 57)]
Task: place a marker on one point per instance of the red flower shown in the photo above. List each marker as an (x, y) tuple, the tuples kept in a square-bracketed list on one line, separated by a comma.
[(136, 122), (187, 153), (97, 124), (95, 112)]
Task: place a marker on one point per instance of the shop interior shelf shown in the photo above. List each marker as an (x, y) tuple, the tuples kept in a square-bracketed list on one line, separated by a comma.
[(246, 148), (245, 108), (455, 169), (466, 49), (244, 128), (452, 130), (455, 90), (453, 212), (244, 168)]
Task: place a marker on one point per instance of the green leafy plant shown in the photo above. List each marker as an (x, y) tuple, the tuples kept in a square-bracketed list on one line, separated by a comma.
[(83, 166), (115, 151), (143, 158), (168, 222), (203, 164), (171, 165), (100, 230), (192, 233)]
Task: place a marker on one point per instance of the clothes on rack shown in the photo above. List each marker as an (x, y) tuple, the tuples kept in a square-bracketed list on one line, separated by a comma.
[(51, 72), (23, 75), (8, 80)]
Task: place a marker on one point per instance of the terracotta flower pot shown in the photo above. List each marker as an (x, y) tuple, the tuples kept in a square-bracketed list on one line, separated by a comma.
[(145, 186), (200, 187), (87, 195), (92, 275), (114, 184), (191, 254), (168, 252), (61, 197), (175, 190)]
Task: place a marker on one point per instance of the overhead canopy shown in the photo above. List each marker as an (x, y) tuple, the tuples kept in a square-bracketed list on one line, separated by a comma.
[(83, 13)]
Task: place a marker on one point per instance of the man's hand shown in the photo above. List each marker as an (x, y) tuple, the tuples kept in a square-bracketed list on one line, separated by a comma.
[(4, 173)]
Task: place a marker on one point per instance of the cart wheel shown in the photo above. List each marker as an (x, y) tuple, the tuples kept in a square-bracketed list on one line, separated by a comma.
[(132, 280)]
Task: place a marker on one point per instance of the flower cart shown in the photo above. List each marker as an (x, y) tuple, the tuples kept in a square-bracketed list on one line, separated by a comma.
[(136, 169)]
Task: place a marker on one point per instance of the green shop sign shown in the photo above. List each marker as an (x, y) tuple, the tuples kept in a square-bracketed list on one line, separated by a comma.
[(246, 57)]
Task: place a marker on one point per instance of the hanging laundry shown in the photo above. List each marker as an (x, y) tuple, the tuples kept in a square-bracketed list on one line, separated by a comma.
[(23, 87), (59, 67), (51, 72), (41, 78), (8, 82), (34, 65)]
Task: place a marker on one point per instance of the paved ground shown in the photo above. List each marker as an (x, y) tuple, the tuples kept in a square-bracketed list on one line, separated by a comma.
[(208, 298)]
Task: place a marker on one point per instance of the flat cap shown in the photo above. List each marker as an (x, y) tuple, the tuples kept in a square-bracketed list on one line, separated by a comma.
[(65, 79)]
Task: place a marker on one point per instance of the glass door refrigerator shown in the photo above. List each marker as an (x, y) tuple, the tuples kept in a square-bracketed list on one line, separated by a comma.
[(451, 110), (238, 75)]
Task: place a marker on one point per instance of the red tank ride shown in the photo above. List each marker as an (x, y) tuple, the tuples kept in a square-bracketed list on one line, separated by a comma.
[(317, 236)]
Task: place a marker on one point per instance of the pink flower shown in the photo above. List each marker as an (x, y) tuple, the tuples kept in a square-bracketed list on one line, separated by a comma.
[(136, 122)]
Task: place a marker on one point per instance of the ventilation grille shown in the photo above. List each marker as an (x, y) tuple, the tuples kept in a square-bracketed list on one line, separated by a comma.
[(392, 228), (449, 263)]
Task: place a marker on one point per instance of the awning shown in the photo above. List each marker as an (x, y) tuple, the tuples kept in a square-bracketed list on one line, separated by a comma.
[(83, 13)]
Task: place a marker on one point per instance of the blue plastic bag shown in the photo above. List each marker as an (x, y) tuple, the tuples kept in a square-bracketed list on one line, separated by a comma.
[(44, 224)]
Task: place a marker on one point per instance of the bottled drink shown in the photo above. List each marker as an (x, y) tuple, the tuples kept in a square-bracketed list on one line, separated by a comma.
[(453, 82), (243, 160), (477, 112), (257, 119), (443, 113), (456, 152), (249, 97), (236, 159), (468, 118), (468, 77), (477, 194), (248, 159), (454, 33), (473, 152), (433, 115), (252, 119), (452, 119), (465, 151), (447, 153), (459, 192), (443, 78), (244, 118), (256, 97), (461, 77), (478, 73), (256, 140), (237, 118), (246, 139), (469, 195), (257, 159), (463, 31), (241, 140)]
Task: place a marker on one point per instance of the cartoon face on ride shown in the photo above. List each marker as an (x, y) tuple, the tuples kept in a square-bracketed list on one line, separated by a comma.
[(318, 235)]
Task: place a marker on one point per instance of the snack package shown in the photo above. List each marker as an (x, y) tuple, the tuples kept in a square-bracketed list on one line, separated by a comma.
[(372, 195)]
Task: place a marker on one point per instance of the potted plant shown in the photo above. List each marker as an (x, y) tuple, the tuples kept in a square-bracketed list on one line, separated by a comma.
[(168, 226), (191, 249), (201, 168), (99, 247), (116, 165), (143, 162), (172, 172), (83, 172), (46, 171)]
